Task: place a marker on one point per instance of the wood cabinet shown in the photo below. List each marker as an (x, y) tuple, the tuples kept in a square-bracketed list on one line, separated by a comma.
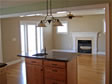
[(55, 74), (60, 72), (3, 78), (51, 72), (49, 81), (34, 70), (54, 64)]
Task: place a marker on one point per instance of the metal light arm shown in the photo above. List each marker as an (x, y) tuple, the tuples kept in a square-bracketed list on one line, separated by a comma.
[(49, 14)]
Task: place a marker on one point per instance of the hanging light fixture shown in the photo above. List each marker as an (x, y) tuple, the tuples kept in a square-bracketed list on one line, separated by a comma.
[(49, 17)]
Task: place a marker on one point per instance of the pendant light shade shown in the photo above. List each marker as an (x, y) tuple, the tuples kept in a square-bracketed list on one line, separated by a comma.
[(41, 24), (57, 23)]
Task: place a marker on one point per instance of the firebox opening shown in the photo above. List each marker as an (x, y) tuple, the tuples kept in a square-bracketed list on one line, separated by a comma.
[(84, 46)]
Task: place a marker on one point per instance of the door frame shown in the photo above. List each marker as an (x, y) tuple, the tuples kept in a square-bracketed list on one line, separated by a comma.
[(1, 56), (107, 20)]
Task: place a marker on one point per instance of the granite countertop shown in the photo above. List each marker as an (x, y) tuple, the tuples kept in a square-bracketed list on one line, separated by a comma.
[(54, 56), (2, 65)]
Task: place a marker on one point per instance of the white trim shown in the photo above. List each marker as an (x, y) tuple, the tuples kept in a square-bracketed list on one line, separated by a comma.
[(14, 62), (93, 36), (101, 53), (72, 51), (1, 55), (60, 50)]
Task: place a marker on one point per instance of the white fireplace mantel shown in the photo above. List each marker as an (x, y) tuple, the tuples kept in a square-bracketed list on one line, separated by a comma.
[(93, 36)]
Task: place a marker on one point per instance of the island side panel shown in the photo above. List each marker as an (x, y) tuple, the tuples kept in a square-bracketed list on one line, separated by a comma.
[(3, 77), (72, 71)]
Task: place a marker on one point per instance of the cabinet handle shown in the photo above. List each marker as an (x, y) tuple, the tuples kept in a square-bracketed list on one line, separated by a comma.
[(33, 61), (54, 70), (54, 64)]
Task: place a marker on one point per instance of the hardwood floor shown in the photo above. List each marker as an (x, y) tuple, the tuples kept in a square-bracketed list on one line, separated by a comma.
[(91, 70), (16, 74)]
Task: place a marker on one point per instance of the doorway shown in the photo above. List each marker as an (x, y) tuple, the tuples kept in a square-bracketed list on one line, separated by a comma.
[(100, 58), (107, 35)]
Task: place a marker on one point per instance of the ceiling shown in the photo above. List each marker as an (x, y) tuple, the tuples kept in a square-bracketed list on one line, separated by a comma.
[(13, 3), (55, 14), (82, 12), (65, 12)]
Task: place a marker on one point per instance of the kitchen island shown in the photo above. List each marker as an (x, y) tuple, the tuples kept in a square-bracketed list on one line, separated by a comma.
[(3, 77), (51, 68)]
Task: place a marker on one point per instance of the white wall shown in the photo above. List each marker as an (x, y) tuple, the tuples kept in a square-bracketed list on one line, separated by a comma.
[(11, 29), (92, 23)]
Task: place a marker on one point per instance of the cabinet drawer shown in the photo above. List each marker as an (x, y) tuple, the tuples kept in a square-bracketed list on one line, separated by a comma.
[(54, 64), (33, 61), (55, 73), (49, 81)]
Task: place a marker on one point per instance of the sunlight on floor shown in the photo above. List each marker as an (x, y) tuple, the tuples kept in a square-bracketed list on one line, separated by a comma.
[(23, 69)]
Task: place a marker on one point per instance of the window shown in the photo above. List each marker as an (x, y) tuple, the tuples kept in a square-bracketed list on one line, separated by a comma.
[(31, 38), (104, 26), (64, 28)]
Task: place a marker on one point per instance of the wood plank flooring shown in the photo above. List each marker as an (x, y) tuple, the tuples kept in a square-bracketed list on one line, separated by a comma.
[(91, 70), (16, 74)]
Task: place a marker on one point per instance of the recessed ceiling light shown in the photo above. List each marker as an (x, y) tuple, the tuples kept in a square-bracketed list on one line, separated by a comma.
[(61, 12)]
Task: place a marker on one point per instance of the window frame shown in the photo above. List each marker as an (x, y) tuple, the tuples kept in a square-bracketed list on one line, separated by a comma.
[(26, 23), (104, 26), (62, 26)]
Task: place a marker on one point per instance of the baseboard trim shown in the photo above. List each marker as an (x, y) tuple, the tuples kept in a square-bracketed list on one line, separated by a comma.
[(72, 51), (59, 50), (14, 62), (101, 53)]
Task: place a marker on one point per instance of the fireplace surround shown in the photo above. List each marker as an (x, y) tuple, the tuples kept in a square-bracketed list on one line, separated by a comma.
[(92, 36)]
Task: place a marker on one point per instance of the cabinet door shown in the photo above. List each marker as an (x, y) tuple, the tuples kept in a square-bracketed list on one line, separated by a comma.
[(49, 81), (34, 74)]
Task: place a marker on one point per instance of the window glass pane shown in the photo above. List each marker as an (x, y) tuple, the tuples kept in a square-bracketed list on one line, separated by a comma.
[(22, 39), (39, 39), (104, 26), (62, 29), (31, 39)]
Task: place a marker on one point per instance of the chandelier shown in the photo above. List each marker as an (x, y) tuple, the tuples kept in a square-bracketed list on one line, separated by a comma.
[(49, 17)]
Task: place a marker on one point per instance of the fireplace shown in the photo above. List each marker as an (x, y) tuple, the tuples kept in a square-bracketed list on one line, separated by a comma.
[(84, 46), (92, 36)]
